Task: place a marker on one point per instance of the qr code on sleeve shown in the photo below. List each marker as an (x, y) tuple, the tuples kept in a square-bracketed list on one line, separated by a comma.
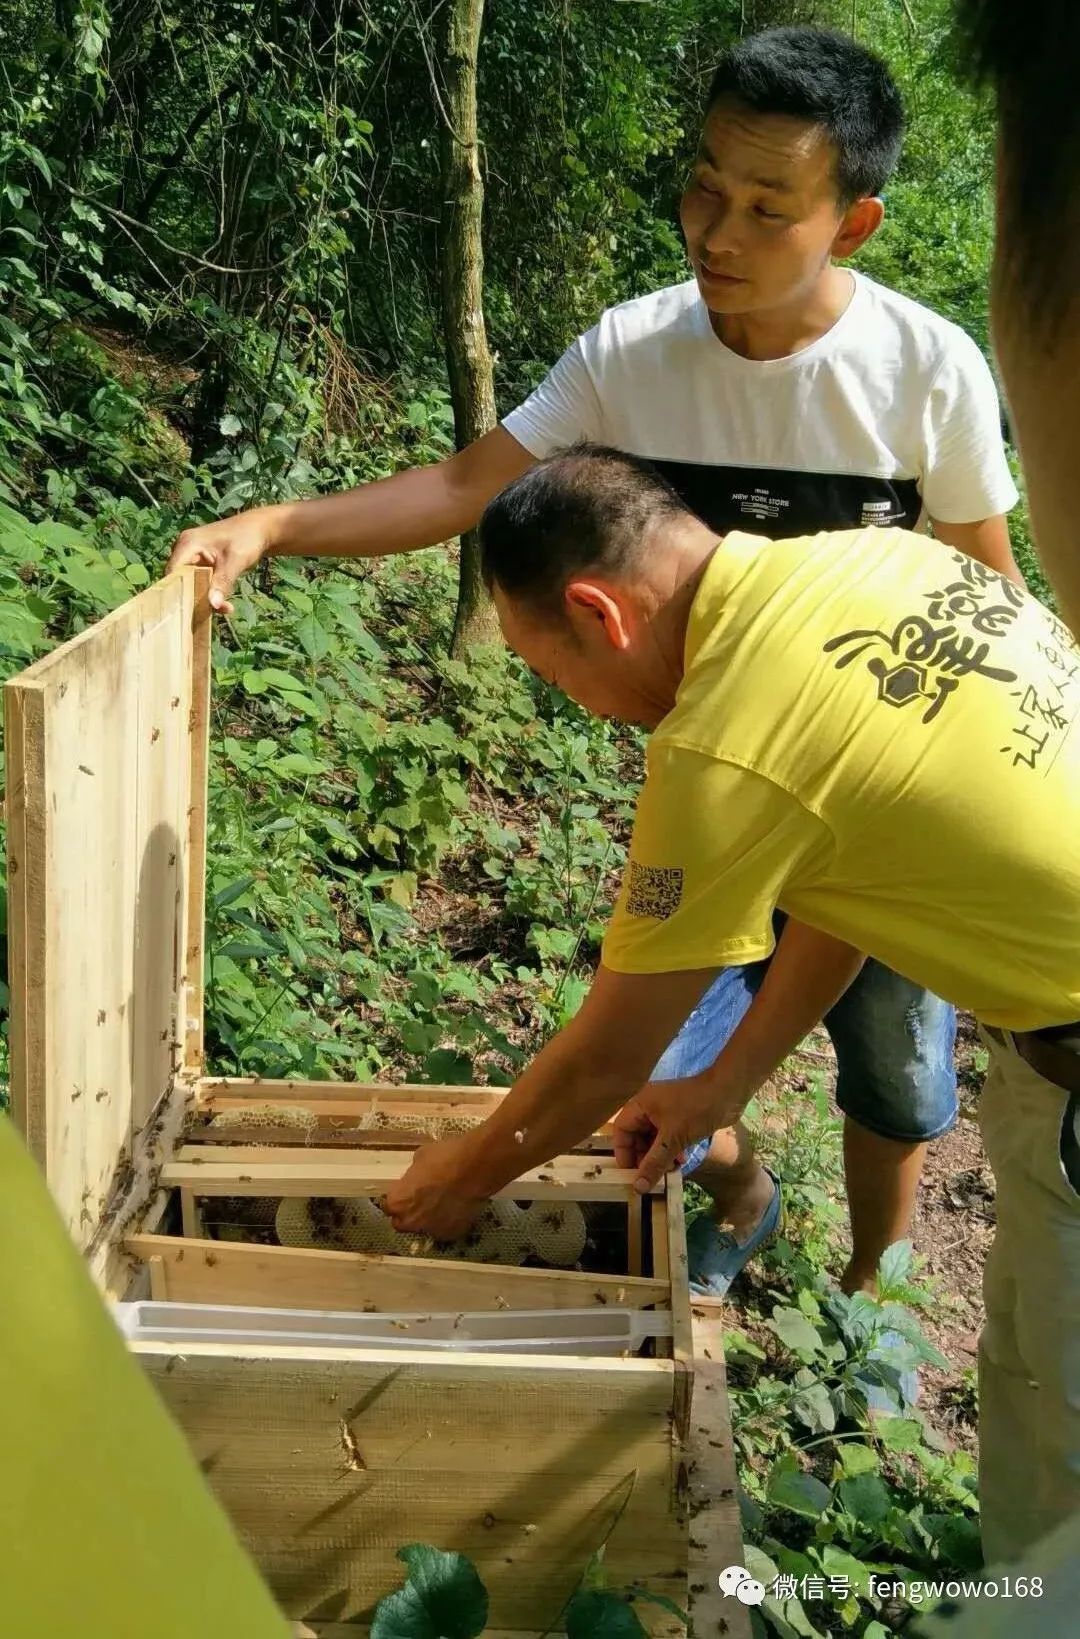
[(653, 890)]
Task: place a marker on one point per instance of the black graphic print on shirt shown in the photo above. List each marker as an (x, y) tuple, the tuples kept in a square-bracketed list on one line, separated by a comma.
[(783, 504), (926, 655)]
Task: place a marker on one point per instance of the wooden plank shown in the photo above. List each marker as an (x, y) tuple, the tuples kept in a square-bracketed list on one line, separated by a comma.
[(340, 1108), (190, 1216), (661, 1263), (269, 1091), (526, 1465), (251, 1170), (24, 740), (201, 1271), (337, 1123), (635, 1208), (198, 752), (100, 814), (159, 1280), (715, 1524), (682, 1341), (164, 797)]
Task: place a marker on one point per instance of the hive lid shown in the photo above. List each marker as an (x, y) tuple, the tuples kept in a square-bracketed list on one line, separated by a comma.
[(106, 743)]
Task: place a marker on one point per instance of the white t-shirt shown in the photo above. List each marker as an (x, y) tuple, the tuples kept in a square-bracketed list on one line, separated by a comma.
[(890, 416)]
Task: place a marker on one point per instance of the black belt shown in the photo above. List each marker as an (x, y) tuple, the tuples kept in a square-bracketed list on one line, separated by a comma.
[(1047, 1053)]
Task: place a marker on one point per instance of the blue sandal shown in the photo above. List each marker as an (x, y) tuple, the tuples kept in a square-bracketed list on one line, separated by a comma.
[(715, 1256)]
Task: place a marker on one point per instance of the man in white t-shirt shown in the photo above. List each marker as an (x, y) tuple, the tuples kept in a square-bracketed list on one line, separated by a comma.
[(774, 389)]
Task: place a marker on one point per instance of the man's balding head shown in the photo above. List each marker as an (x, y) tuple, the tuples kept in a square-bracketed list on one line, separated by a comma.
[(592, 558), (586, 508)]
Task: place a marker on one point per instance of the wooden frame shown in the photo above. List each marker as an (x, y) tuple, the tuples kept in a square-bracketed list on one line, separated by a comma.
[(529, 1463)]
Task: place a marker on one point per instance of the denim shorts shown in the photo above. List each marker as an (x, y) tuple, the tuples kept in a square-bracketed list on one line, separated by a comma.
[(893, 1040)]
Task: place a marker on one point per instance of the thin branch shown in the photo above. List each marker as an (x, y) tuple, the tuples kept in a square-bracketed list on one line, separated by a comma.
[(174, 250)]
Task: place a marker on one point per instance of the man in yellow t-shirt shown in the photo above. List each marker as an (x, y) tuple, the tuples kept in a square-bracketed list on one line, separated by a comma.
[(875, 736)]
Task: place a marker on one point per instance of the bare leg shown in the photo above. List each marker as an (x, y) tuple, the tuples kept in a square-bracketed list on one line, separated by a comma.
[(882, 1176), (739, 1185)]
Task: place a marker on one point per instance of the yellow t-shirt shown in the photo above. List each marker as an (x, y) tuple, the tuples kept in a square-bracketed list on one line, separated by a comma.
[(107, 1529), (877, 735)]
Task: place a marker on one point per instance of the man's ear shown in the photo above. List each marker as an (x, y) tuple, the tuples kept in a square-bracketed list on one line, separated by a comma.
[(861, 221), (590, 606)]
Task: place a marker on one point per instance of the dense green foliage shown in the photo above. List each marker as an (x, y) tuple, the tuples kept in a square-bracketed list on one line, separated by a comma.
[(217, 287)]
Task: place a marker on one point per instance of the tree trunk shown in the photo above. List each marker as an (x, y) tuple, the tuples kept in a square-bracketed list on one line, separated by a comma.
[(468, 361)]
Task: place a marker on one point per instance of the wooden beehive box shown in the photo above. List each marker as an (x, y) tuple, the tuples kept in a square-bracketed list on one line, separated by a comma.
[(327, 1459)]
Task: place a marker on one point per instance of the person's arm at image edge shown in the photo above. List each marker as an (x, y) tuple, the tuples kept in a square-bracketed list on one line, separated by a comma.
[(966, 485), (987, 540)]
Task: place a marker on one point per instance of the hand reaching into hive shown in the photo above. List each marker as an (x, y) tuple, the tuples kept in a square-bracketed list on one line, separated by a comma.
[(657, 1126), (434, 1197)]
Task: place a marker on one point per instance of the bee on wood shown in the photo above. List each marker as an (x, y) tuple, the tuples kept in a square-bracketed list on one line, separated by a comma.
[(354, 1462)]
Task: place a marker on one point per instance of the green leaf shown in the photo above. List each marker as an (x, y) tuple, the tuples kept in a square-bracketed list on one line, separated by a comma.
[(241, 950), (443, 1598), (599, 1614), (37, 159), (815, 1408), (230, 425), (313, 637), (405, 816), (646, 1598), (296, 766), (857, 1459), (834, 1562), (895, 1265), (802, 1493), (788, 1619), (19, 628), (234, 891), (899, 1433), (402, 889), (759, 1564), (865, 1496), (795, 1331), (736, 1342), (895, 1318)]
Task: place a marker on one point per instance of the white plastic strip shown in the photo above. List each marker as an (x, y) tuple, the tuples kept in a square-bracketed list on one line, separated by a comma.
[(603, 1331)]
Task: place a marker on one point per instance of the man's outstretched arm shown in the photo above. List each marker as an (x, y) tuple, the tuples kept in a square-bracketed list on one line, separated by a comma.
[(420, 507)]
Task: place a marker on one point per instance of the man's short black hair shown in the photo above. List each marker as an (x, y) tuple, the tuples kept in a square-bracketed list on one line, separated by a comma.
[(1030, 53), (826, 77), (587, 507)]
